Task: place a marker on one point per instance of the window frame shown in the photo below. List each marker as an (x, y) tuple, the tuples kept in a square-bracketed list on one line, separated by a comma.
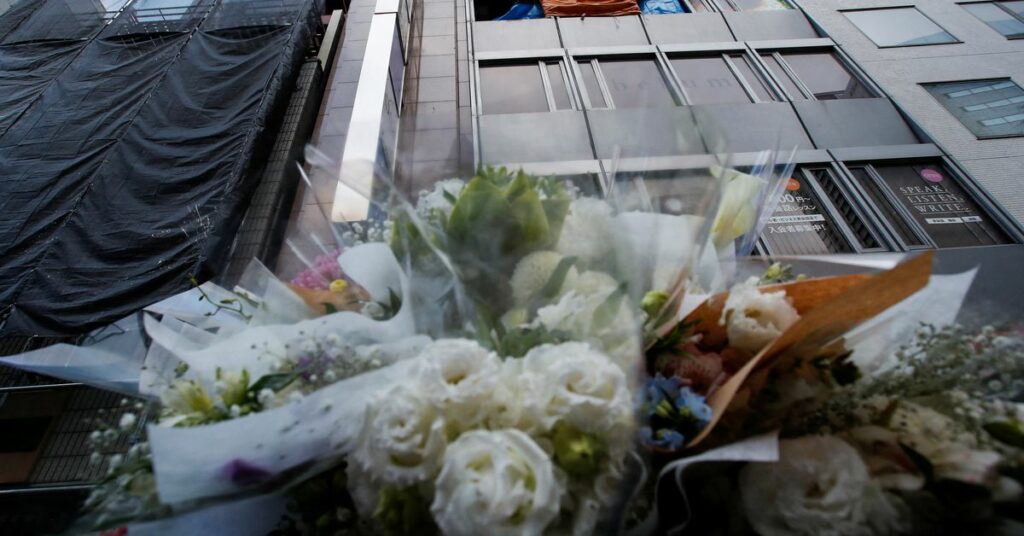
[(925, 86), (727, 56), (730, 7), (776, 52), (594, 56), (999, 5), (984, 202), (540, 60), (955, 40), (806, 173)]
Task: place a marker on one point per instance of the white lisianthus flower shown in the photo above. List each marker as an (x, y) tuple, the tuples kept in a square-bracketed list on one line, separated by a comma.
[(516, 400), (402, 438), (754, 319), (575, 314), (534, 271), (587, 230), (496, 482), (582, 388), (458, 376), (434, 200), (819, 486), (592, 282)]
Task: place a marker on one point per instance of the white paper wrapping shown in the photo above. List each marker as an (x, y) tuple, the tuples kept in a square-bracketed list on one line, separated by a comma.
[(219, 459), (937, 304), (256, 349)]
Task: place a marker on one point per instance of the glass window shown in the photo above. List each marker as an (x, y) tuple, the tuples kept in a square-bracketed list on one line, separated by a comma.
[(905, 26), (635, 83), (506, 89), (675, 192), (905, 231), (742, 64), (701, 6), (1006, 18), (821, 73), (754, 5), (708, 81), (590, 82), (989, 108), (862, 231), (783, 77), (556, 78), (939, 205), (801, 223)]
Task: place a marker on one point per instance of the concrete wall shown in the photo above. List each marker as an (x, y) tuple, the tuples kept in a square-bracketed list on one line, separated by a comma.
[(995, 164)]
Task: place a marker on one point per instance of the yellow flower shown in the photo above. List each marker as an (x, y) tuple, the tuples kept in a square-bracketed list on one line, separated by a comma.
[(187, 397), (339, 285)]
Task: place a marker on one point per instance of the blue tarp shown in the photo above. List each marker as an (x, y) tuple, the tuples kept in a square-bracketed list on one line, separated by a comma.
[(660, 7), (521, 11)]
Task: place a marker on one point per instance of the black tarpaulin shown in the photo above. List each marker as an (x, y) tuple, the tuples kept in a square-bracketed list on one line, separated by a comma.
[(38, 40), (15, 14), (129, 172)]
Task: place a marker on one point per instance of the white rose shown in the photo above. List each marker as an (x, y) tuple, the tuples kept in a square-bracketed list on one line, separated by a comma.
[(402, 438), (458, 376), (495, 482), (753, 318), (819, 486), (587, 230), (582, 387), (533, 272)]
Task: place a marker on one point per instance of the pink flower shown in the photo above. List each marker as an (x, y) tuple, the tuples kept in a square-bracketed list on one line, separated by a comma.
[(319, 276)]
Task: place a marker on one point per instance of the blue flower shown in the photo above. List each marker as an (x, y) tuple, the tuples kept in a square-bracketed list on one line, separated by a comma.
[(674, 413), (695, 403), (663, 438), (659, 389)]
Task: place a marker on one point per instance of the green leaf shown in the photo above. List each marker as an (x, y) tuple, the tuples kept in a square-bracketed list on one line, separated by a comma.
[(449, 196), (275, 382), (330, 308), (531, 224), (480, 204), (557, 279), (518, 342), (1006, 432), (519, 186), (605, 313), (555, 209)]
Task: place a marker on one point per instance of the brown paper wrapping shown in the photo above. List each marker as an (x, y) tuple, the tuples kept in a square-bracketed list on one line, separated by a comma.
[(589, 8), (828, 307)]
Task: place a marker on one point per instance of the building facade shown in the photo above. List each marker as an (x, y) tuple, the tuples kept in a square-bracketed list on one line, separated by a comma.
[(604, 100), (422, 90), (955, 67)]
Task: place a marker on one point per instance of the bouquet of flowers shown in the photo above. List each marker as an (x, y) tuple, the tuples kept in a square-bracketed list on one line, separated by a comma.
[(506, 355), (467, 366)]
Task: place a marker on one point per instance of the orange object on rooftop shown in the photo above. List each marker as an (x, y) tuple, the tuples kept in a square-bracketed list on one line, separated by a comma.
[(589, 8)]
